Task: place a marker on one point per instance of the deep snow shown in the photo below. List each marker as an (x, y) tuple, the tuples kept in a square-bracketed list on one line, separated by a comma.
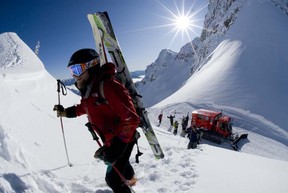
[(32, 156)]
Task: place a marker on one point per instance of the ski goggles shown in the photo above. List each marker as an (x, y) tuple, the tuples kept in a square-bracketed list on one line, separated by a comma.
[(79, 69)]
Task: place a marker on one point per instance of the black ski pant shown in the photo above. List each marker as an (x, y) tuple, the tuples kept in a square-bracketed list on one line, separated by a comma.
[(123, 165), (192, 145)]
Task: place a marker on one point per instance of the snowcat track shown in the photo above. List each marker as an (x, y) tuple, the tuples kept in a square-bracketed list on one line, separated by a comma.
[(212, 136)]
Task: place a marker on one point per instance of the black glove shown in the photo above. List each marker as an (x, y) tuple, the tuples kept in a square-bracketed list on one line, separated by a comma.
[(60, 110), (110, 154)]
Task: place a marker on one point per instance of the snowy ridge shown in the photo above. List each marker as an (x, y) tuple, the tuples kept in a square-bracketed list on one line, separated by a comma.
[(11, 62)]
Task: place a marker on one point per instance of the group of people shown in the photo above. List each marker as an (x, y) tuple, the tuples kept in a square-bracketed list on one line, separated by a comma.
[(192, 132)]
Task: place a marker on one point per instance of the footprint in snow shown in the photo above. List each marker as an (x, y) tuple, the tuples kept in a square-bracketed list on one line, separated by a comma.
[(104, 191)]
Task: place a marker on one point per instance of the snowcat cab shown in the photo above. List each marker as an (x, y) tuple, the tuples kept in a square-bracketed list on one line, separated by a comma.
[(215, 126), (224, 126)]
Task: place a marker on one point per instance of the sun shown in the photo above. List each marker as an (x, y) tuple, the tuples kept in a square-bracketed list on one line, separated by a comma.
[(182, 19), (183, 22)]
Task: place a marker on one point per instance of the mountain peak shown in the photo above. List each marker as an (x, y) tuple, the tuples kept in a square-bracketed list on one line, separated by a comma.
[(16, 57)]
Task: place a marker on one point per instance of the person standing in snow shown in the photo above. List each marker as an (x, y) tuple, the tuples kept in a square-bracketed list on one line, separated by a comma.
[(171, 118), (184, 125), (176, 124), (194, 137), (110, 112), (160, 118)]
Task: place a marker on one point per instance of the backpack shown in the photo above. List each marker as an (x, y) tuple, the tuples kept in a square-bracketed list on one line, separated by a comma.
[(102, 100)]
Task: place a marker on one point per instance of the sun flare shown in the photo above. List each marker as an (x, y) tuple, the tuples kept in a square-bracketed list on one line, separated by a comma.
[(182, 19), (183, 22)]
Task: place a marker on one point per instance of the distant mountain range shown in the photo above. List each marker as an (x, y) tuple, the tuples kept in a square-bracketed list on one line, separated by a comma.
[(69, 83), (138, 74)]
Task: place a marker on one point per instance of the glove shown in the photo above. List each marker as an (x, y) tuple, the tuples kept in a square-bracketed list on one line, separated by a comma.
[(110, 154), (100, 153), (60, 110)]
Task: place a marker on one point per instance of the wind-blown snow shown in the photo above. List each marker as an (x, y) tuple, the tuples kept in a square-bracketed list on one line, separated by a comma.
[(32, 155)]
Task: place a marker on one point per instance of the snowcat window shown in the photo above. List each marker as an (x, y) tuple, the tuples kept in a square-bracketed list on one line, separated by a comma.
[(224, 127), (201, 117), (217, 117)]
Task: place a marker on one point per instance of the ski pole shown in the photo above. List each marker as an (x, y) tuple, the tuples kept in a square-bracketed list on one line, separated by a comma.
[(96, 138), (64, 92)]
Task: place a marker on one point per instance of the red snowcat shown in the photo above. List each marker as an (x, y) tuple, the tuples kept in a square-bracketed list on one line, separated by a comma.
[(215, 127)]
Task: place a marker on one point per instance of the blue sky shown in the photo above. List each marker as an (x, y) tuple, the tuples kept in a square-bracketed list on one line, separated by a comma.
[(143, 27)]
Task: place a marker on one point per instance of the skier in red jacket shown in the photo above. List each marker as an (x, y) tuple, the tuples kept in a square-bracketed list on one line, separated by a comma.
[(110, 111)]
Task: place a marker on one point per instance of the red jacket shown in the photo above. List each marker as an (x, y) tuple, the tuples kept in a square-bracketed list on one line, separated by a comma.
[(115, 117)]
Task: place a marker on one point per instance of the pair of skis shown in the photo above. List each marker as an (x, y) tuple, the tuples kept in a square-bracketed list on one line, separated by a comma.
[(105, 38)]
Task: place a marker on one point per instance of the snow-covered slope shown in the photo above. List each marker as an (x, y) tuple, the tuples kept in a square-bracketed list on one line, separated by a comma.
[(220, 16), (165, 75), (243, 62), (30, 134), (248, 69), (11, 47), (32, 156)]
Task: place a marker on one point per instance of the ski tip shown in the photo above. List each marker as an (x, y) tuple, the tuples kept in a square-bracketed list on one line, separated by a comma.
[(161, 156), (89, 15)]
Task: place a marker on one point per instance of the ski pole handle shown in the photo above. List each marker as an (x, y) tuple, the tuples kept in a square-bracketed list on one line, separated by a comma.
[(61, 85), (94, 135)]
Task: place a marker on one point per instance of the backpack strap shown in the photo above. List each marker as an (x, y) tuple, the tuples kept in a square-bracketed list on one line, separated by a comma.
[(100, 92), (89, 88)]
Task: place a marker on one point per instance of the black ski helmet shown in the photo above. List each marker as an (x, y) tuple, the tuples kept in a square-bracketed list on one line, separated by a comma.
[(83, 56)]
